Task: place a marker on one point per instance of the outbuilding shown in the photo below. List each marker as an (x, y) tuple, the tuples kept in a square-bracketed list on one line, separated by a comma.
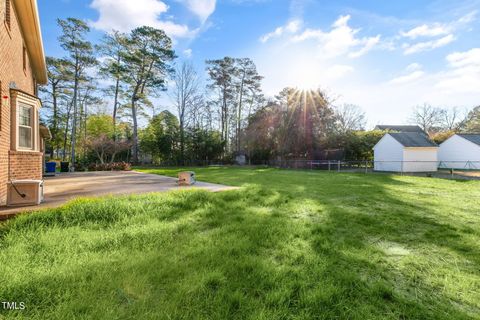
[(405, 152), (460, 151)]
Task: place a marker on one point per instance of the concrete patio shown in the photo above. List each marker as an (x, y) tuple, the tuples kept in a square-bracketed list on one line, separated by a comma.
[(67, 186)]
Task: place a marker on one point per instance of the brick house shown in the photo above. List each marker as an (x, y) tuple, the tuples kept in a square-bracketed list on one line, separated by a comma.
[(22, 68)]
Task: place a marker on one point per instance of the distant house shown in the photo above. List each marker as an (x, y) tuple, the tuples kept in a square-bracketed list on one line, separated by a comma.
[(405, 152), (395, 128), (460, 151), (22, 69)]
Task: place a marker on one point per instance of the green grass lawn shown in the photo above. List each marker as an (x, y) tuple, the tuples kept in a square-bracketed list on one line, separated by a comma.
[(287, 245)]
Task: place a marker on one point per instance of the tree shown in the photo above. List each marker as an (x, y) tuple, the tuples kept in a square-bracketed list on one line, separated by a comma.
[(58, 78), (185, 95), (472, 122), (221, 73), (86, 99), (113, 49), (440, 137), (147, 64), (427, 117), (296, 124), (100, 138), (237, 86), (357, 145), (200, 114), (450, 119), (308, 119), (349, 117), (261, 135), (159, 138), (203, 144), (248, 86), (80, 55)]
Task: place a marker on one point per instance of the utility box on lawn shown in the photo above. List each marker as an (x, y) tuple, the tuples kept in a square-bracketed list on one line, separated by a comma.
[(186, 178), (25, 192)]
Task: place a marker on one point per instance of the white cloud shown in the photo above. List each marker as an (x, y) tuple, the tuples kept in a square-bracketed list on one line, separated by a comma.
[(201, 8), (187, 53), (338, 71), (294, 65), (412, 73), (428, 45), (340, 40), (439, 29), (313, 57), (463, 75), (413, 67), (408, 77), (301, 57), (443, 34), (369, 44), (125, 15), (464, 59), (469, 17), (427, 31), (291, 27)]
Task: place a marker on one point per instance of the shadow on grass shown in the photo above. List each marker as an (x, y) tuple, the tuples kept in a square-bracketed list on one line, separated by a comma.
[(287, 245)]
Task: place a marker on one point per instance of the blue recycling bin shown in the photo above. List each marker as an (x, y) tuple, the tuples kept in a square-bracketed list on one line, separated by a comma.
[(50, 167)]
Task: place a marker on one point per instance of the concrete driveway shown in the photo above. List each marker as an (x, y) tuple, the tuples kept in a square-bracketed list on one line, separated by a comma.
[(67, 186)]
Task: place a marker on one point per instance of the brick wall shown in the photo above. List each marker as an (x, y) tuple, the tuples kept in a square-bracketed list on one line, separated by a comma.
[(11, 70), (25, 165)]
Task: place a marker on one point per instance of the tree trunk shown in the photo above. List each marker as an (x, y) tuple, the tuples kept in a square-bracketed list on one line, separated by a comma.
[(115, 105), (239, 112), (74, 124), (182, 140), (224, 120), (65, 135), (135, 131), (54, 123)]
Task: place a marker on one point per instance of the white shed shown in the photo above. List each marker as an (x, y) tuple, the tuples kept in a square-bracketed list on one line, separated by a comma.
[(405, 152), (460, 151)]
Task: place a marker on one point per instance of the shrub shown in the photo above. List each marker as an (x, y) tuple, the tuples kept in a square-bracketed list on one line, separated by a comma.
[(79, 166), (121, 166), (114, 166)]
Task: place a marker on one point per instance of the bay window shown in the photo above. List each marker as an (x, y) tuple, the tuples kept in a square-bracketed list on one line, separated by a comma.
[(25, 126)]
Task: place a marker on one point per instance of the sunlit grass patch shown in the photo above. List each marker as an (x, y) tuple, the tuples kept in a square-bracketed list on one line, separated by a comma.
[(287, 244)]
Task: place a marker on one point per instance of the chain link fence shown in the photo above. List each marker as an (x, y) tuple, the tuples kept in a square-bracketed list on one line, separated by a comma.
[(442, 169), (469, 170)]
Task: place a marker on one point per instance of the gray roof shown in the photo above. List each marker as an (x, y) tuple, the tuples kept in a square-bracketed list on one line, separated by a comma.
[(400, 128), (472, 137), (413, 139)]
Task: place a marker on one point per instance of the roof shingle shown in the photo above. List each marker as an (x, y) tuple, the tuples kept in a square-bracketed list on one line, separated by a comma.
[(413, 139), (400, 128), (472, 137)]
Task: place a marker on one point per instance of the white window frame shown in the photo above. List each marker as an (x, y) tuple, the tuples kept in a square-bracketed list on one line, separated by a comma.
[(32, 126), (19, 99)]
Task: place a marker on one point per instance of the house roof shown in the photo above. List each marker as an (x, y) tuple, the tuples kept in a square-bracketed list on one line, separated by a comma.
[(28, 18), (400, 128), (413, 139), (472, 137)]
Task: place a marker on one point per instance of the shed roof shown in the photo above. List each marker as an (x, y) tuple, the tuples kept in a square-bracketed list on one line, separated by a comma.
[(400, 128), (413, 139), (472, 137), (45, 132)]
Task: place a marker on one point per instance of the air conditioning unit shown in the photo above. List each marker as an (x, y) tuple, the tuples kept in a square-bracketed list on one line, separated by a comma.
[(186, 178), (25, 192)]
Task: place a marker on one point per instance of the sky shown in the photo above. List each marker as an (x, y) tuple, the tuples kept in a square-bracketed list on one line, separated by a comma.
[(384, 56)]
